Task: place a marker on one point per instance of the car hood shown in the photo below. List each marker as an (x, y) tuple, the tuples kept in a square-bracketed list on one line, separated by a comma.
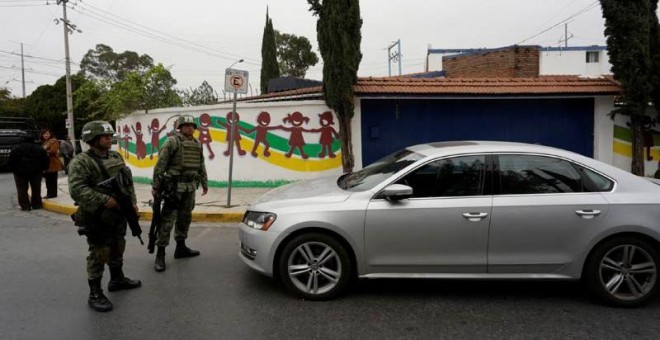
[(653, 180), (313, 191)]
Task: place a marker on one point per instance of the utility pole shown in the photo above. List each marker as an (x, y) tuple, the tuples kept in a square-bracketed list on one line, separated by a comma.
[(566, 36), (22, 71), (68, 29)]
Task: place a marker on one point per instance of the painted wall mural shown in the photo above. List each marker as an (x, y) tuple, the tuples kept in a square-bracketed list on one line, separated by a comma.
[(623, 146), (272, 145)]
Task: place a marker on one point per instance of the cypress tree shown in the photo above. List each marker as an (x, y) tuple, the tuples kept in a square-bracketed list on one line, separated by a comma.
[(338, 33), (631, 28), (269, 66)]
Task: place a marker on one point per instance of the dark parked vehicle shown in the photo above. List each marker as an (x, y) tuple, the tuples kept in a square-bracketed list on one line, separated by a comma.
[(12, 130)]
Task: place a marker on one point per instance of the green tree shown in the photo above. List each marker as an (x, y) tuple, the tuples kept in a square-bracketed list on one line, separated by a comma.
[(294, 54), (102, 63), (10, 106), (122, 83), (47, 104), (338, 33), (269, 67), (151, 90), (631, 28), (203, 95)]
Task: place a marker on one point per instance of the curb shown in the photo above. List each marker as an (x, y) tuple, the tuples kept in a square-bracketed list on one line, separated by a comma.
[(147, 215)]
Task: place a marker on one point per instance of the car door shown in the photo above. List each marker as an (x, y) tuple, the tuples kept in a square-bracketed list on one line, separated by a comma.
[(544, 211), (442, 228)]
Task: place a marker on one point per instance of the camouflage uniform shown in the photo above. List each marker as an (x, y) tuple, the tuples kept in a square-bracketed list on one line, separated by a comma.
[(182, 161), (104, 227), (108, 227)]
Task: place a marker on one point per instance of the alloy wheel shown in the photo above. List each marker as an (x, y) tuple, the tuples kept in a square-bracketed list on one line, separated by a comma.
[(628, 272), (314, 268)]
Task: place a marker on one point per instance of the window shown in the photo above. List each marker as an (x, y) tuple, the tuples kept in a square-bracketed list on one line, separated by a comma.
[(458, 176), (378, 171), (594, 182), (526, 174), (592, 57)]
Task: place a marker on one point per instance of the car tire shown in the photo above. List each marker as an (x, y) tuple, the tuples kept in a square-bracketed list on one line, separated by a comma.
[(623, 272), (315, 266)]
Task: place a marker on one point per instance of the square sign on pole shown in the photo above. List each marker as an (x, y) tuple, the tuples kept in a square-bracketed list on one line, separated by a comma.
[(236, 80)]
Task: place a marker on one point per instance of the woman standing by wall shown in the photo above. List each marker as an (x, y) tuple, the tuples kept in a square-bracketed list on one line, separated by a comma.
[(52, 147)]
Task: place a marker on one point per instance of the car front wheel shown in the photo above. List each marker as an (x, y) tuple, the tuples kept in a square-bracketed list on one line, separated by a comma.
[(315, 266), (623, 272)]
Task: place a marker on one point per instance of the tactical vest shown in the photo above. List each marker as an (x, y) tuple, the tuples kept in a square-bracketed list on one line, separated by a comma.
[(188, 160), (113, 164)]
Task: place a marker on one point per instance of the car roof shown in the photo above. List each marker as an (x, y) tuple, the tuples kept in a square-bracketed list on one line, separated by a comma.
[(454, 147)]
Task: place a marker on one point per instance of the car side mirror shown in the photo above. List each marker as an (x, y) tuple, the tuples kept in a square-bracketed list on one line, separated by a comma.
[(397, 192)]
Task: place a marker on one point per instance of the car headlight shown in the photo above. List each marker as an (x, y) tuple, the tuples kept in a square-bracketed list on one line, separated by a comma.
[(259, 220)]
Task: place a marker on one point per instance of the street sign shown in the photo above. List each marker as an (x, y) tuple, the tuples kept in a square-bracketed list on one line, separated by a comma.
[(236, 80), (67, 123)]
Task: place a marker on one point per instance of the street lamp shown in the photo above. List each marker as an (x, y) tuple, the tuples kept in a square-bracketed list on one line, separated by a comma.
[(236, 62)]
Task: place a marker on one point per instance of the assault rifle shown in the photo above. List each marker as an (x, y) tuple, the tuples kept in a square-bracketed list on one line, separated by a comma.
[(154, 230), (165, 195), (125, 205)]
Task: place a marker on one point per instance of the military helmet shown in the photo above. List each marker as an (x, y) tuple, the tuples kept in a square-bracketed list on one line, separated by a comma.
[(96, 128), (186, 119)]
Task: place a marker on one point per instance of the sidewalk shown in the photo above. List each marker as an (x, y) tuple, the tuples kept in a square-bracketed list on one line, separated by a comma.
[(208, 208)]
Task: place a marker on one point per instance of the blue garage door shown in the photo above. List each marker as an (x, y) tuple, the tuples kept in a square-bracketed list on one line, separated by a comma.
[(391, 124)]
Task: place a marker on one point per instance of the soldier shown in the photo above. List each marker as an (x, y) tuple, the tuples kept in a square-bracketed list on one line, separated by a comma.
[(181, 164), (98, 215)]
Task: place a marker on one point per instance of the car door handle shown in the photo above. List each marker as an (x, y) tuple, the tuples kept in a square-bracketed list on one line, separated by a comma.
[(587, 213), (475, 216)]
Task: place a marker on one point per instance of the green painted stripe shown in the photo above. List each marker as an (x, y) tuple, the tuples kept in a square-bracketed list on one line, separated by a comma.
[(234, 184), (622, 133)]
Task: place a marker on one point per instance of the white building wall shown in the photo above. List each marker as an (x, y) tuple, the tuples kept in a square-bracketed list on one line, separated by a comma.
[(253, 170), (552, 62), (603, 129), (573, 63)]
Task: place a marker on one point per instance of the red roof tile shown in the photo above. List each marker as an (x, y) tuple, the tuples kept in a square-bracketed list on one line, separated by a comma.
[(489, 86), (544, 85)]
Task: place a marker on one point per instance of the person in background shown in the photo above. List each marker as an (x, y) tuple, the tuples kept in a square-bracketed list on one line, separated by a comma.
[(27, 161), (66, 151), (52, 147)]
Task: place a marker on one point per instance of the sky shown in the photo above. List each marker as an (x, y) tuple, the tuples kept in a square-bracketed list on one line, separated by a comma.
[(198, 39)]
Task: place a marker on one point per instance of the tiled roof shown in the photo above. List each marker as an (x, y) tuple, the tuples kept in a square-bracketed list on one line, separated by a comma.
[(543, 85), (489, 86)]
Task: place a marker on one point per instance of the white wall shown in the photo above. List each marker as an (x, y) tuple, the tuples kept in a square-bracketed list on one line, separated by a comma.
[(572, 62), (603, 129), (259, 170), (551, 63)]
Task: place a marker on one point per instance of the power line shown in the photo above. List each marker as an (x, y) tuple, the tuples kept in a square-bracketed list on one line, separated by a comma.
[(134, 27), (15, 6), (35, 57), (576, 14)]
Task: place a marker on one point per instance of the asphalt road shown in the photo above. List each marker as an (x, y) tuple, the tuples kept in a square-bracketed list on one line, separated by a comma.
[(43, 295)]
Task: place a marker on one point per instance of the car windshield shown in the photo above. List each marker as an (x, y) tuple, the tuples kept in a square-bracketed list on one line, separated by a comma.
[(378, 171)]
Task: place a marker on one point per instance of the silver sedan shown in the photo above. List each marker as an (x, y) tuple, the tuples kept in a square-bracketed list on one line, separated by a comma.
[(462, 210)]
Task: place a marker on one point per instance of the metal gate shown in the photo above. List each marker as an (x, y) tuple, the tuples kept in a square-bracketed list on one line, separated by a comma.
[(391, 124)]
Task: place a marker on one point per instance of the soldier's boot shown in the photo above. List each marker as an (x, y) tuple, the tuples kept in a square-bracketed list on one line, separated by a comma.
[(159, 265), (182, 250), (97, 300), (120, 282)]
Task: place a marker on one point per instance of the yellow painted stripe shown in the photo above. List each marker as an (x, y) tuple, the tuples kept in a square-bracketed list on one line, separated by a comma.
[(147, 215), (276, 157), (624, 149)]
